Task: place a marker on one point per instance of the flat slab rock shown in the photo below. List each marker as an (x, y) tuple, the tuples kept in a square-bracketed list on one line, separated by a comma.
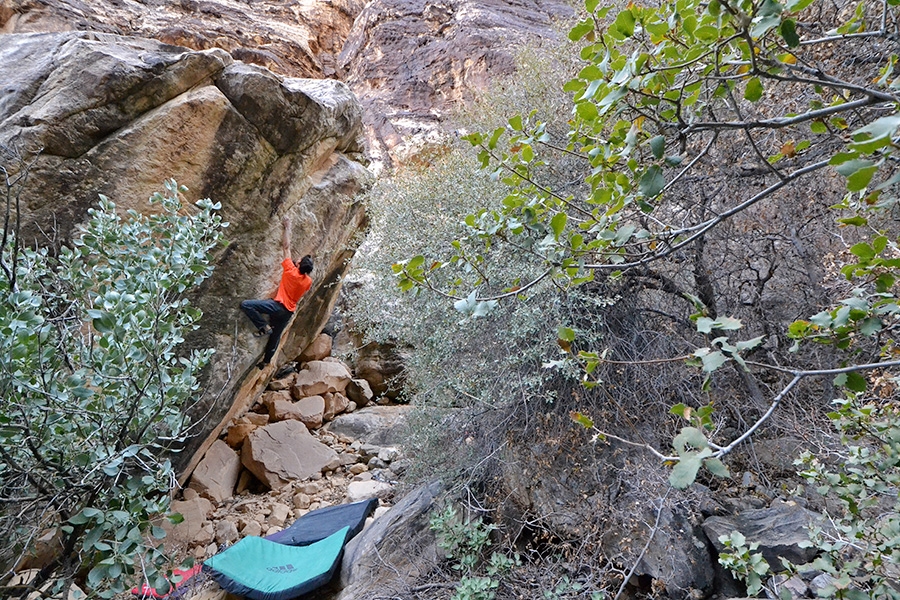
[(781, 531), (379, 425), (283, 452), (216, 475)]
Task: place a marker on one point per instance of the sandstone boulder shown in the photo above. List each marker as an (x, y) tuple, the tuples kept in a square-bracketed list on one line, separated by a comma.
[(279, 514), (320, 377), (319, 348), (216, 475), (237, 433), (283, 452), (311, 411), (363, 490), (252, 528), (335, 404), (226, 532), (205, 536), (348, 458), (281, 407), (24, 579), (284, 410), (293, 114), (118, 116), (195, 512), (283, 383), (360, 392), (378, 425), (44, 550), (256, 419), (269, 397)]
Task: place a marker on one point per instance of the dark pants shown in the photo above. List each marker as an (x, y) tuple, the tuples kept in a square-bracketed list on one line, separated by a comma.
[(278, 320)]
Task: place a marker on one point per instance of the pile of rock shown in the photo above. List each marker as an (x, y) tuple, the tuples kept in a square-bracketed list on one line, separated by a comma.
[(211, 522), (281, 448)]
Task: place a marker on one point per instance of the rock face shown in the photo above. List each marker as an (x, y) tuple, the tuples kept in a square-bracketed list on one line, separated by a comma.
[(780, 530), (381, 365), (382, 425), (678, 554), (398, 542), (117, 116), (300, 39), (409, 61)]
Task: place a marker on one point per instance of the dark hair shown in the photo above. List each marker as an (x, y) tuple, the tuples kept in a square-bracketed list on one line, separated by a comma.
[(306, 265)]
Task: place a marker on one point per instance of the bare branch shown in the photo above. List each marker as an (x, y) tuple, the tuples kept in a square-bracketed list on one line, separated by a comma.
[(705, 226), (781, 122), (627, 578)]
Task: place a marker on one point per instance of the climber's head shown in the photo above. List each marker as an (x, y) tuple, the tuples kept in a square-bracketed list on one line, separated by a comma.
[(305, 265)]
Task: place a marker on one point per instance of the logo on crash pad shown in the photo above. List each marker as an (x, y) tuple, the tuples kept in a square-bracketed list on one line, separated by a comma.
[(282, 569)]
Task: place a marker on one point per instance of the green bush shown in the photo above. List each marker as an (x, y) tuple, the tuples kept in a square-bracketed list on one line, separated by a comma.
[(93, 390), (490, 363), (860, 546), (702, 189), (465, 543)]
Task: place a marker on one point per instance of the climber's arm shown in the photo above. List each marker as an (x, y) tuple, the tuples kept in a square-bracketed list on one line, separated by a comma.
[(286, 237)]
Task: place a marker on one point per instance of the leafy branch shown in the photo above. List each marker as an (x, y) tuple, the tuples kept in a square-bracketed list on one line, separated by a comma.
[(695, 449)]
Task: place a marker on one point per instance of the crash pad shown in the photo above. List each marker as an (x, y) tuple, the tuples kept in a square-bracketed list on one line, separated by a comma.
[(261, 569), (321, 523)]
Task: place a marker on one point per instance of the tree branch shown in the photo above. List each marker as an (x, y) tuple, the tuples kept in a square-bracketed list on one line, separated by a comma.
[(781, 122), (705, 226), (662, 504)]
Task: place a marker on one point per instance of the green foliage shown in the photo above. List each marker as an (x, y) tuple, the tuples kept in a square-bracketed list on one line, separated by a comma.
[(860, 546), (465, 542), (462, 541), (869, 309), (93, 389), (475, 355), (565, 587), (747, 565), (701, 137), (859, 542), (661, 92), (689, 50), (476, 588), (693, 452)]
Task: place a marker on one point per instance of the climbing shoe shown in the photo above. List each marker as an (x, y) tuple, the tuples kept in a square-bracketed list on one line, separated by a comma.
[(264, 331)]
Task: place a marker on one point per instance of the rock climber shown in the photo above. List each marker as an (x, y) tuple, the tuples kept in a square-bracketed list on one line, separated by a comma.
[(295, 281)]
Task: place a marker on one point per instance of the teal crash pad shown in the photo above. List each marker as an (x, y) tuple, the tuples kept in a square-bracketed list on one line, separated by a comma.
[(261, 569)]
